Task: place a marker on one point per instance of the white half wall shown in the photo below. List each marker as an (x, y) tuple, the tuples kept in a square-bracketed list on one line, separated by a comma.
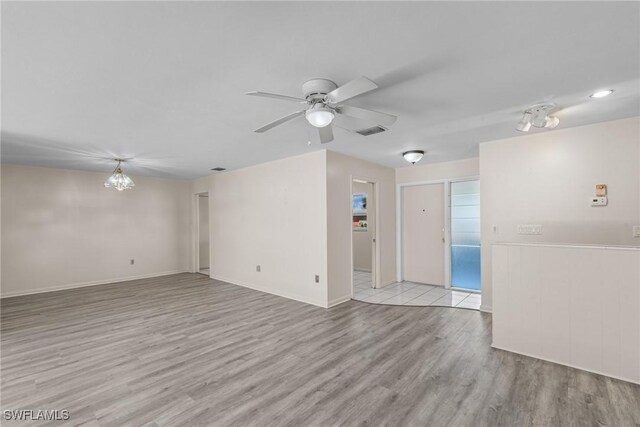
[(547, 179), (62, 229), (272, 215), (571, 304), (340, 171)]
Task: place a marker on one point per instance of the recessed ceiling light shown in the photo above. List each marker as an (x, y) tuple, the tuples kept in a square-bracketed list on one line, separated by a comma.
[(218, 169), (601, 93)]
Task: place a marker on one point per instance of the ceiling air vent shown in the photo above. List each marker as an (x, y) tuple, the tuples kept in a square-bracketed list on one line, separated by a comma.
[(219, 169), (371, 131)]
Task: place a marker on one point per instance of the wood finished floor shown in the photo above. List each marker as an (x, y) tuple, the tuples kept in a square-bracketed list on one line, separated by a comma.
[(188, 350)]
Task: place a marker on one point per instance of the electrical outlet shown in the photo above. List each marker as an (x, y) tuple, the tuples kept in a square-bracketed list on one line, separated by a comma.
[(258, 268), (636, 231), (317, 278), (132, 261), (530, 229)]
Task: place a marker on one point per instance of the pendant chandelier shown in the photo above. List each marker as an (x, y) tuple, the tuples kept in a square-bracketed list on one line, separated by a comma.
[(119, 180)]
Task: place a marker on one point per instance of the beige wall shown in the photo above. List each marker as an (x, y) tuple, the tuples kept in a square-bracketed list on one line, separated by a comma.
[(437, 171), (62, 228), (362, 248), (340, 170), (547, 178), (273, 215)]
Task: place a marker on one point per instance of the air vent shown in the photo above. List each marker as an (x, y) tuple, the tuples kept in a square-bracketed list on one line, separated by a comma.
[(371, 131), (219, 169)]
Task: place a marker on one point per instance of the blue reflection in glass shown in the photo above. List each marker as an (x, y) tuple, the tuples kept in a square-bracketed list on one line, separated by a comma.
[(465, 234), (465, 267)]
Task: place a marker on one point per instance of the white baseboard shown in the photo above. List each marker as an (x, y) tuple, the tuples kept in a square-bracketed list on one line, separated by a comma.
[(567, 364), (486, 308), (270, 291), (92, 283), (338, 301)]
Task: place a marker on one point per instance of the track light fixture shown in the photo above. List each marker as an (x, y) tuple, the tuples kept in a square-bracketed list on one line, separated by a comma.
[(538, 116)]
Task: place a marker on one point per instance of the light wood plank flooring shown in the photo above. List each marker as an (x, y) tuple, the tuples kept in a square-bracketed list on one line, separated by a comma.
[(188, 350)]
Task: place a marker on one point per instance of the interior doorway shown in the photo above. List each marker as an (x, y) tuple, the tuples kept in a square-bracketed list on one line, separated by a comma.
[(423, 234), (363, 234), (202, 234)]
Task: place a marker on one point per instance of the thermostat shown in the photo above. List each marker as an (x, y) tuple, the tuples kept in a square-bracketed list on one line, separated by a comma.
[(599, 201)]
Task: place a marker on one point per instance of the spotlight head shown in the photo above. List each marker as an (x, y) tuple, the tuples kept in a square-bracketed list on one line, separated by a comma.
[(525, 123)]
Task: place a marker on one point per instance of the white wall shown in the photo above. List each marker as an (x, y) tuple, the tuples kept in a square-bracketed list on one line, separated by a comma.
[(547, 178), (273, 215), (340, 170), (362, 248), (203, 231), (438, 171), (62, 228)]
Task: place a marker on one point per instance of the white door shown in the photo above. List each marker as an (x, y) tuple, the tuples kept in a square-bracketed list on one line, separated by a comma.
[(203, 232), (423, 224)]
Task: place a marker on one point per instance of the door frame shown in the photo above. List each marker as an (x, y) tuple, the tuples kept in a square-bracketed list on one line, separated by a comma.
[(375, 252), (447, 223), (196, 232)]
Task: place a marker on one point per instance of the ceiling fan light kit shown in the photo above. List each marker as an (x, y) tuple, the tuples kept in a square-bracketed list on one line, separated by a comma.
[(319, 115), (413, 156), (324, 108), (538, 116)]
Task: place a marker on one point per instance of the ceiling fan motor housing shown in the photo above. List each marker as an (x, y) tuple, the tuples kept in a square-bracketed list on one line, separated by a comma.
[(316, 89)]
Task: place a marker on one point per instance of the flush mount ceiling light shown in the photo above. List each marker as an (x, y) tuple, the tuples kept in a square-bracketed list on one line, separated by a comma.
[(319, 115), (413, 156), (118, 179), (601, 93), (538, 116)]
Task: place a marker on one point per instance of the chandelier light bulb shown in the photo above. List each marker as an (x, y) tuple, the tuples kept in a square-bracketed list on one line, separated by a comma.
[(118, 180)]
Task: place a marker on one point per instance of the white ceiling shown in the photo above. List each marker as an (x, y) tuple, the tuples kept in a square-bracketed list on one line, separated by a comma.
[(164, 82)]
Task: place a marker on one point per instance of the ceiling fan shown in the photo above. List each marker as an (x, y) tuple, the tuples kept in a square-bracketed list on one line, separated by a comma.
[(324, 108)]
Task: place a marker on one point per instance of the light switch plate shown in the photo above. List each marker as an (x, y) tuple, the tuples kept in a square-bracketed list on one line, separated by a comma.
[(599, 201), (636, 231), (530, 229)]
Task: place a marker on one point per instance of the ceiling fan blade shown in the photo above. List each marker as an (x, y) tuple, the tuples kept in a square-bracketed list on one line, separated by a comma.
[(349, 90), (326, 134), (349, 123), (276, 96), (370, 115), (279, 121)]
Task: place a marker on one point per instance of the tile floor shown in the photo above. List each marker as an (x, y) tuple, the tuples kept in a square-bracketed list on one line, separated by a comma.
[(409, 293)]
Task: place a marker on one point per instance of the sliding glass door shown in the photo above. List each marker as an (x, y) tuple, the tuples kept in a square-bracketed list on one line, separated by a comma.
[(465, 234)]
